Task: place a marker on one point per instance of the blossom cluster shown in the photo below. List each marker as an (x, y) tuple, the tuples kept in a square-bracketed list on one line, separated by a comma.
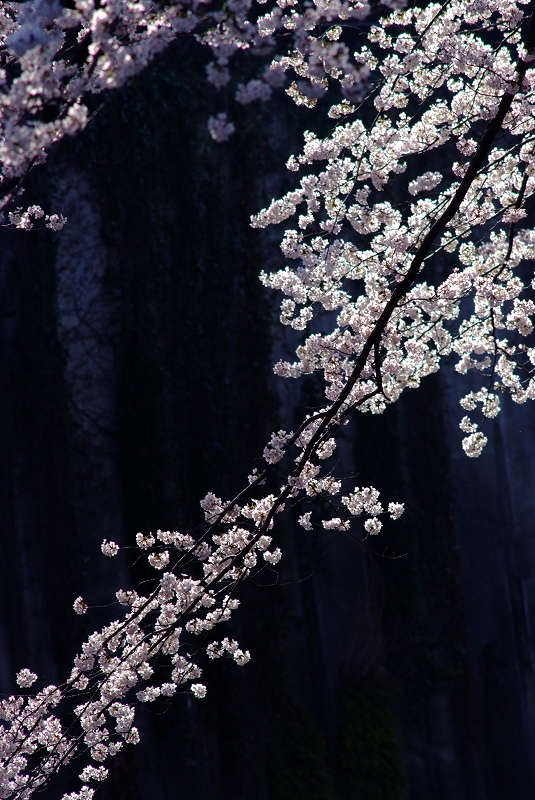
[(53, 55), (154, 648), (370, 226), (313, 50), (30, 730), (113, 662)]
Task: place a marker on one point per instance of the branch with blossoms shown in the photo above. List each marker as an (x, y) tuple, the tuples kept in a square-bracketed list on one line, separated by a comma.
[(453, 74), (163, 633), (361, 237), (54, 55)]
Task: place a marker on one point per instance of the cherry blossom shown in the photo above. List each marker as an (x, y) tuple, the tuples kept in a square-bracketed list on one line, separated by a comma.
[(438, 170)]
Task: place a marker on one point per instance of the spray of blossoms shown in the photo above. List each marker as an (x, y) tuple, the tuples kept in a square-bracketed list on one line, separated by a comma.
[(438, 169), (54, 55), (453, 87), (155, 647)]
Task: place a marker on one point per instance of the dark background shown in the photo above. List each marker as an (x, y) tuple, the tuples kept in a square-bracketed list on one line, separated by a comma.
[(135, 375)]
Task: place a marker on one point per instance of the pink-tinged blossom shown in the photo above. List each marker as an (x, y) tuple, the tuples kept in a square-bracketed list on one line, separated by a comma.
[(145, 541), (159, 560), (80, 606), (305, 521), (94, 774), (272, 557), (474, 444), (426, 182), (219, 128), (55, 221), (26, 678), (85, 793), (274, 450), (373, 526), (109, 549), (396, 510)]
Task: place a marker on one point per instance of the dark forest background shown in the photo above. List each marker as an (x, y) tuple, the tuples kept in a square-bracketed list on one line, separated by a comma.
[(135, 375)]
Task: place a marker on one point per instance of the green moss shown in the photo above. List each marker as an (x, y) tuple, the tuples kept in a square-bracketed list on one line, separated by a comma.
[(299, 766), (370, 752)]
